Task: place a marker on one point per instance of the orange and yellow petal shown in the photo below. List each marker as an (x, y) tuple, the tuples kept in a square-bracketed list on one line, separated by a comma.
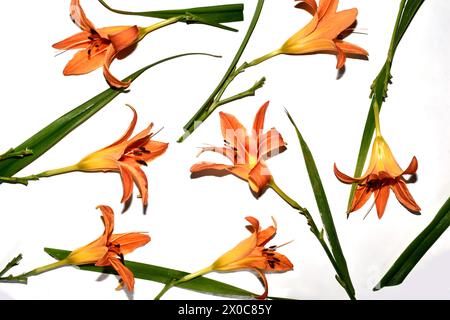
[(259, 177), (381, 198), (128, 242), (234, 132), (79, 17), (258, 123), (404, 196), (83, 62), (124, 39), (362, 194), (127, 183), (413, 166), (270, 144), (77, 41), (239, 252), (125, 274)]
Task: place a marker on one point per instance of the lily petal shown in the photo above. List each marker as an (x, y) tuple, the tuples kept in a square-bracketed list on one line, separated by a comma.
[(125, 38), (334, 24), (82, 62), (108, 219), (266, 235), (413, 166), (350, 48), (381, 198), (290, 45), (362, 194), (270, 144), (79, 17), (225, 151), (125, 274), (327, 8), (127, 182), (129, 131), (242, 250), (234, 132), (258, 123), (201, 166), (263, 278), (404, 197), (129, 242), (311, 3), (259, 177), (343, 177), (112, 81), (77, 41)]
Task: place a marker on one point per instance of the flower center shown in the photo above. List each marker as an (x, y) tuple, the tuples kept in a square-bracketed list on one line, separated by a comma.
[(97, 44), (269, 254)]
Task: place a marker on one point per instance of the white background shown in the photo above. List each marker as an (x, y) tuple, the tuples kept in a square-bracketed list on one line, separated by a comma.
[(192, 222)]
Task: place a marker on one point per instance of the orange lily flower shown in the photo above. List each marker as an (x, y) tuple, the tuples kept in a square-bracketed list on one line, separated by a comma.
[(383, 174), (247, 152), (325, 32), (123, 156), (99, 47), (251, 254), (126, 157), (109, 249)]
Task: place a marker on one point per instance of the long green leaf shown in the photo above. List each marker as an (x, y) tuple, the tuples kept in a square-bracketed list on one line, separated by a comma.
[(409, 12), (211, 15), (379, 88), (45, 139), (325, 212), (417, 249), (165, 275)]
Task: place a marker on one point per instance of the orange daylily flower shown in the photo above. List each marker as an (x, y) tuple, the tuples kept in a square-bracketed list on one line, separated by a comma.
[(126, 157), (325, 32), (247, 152), (383, 174), (109, 249), (97, 47), (251, 254)]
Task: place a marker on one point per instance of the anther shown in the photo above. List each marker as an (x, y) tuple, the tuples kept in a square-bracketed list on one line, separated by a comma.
[(142, 162)]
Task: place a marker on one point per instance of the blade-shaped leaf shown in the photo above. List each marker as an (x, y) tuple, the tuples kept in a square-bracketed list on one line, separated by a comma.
[(45, 139), (417, 249), (210, 15), (325, 212), (407, 11), (410, 10), (164, 275)]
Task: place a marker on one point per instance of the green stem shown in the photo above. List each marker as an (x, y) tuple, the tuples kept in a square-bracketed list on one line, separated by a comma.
[(144, 31), (15, 154), (376, 114), (202, 114), (247, 93), (35, 177), (186, 278), (317, 233), (23, 278)]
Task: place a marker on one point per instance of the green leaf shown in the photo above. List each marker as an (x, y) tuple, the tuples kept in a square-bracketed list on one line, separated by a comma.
[(409, 12), (211, 15), (325, 212), (45, 139), (417, 249), (379, 88), (165, 275)]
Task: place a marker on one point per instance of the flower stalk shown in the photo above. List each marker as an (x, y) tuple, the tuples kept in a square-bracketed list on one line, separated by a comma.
[(319, 234)]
